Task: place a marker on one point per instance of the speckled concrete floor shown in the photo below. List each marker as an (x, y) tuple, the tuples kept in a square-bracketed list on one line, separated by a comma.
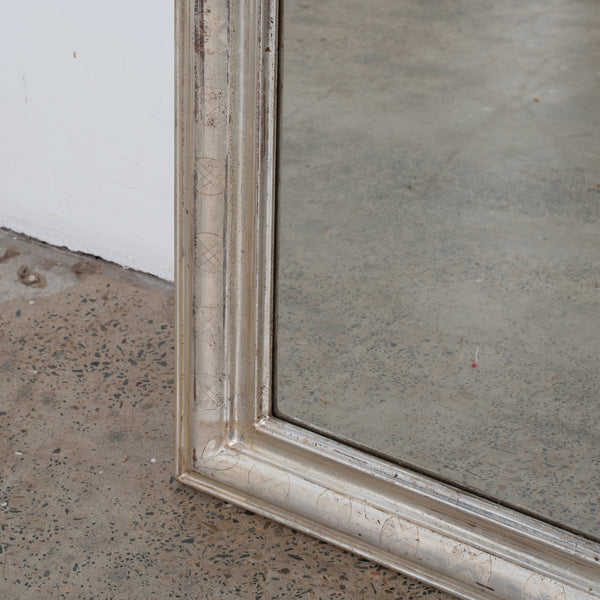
[(88, 507)]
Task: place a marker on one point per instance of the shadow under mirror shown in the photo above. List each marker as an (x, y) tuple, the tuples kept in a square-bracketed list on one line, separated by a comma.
[(439, 256)]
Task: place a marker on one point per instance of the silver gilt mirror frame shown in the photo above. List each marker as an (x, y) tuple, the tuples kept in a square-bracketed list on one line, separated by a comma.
[(228, 442)]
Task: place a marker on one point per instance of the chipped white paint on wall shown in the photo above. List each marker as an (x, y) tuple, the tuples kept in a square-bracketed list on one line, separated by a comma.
[(86, 122)]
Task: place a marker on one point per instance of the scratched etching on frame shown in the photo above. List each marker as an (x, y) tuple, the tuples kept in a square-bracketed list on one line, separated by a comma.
[(210, 118)]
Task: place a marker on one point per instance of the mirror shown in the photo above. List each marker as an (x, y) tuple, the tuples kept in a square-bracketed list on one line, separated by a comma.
[(359, 418), (438, 294)]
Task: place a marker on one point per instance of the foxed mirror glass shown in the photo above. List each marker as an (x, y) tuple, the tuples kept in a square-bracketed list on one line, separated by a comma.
[(438, 287)]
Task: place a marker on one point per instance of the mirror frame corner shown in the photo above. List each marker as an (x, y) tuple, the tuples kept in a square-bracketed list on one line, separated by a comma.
[(228, 442)]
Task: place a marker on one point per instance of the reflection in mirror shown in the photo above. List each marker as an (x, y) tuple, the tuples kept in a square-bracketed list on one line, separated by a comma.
[(439, 202)]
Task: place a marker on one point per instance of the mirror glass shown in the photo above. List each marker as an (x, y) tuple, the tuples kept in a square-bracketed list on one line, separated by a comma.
[(438, 285)]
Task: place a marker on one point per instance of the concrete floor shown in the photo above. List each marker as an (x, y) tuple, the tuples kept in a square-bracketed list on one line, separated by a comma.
[(440, 192), (88, 507)]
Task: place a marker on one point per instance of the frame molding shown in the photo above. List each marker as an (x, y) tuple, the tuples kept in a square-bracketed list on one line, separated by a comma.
[(228, 442)]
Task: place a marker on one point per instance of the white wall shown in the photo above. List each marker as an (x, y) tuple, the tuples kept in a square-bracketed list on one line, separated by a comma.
[(86, 127)]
